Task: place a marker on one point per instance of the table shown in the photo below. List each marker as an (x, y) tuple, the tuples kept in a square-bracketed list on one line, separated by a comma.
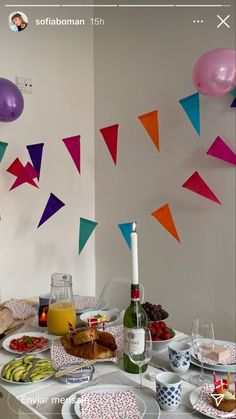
[(25, 400)]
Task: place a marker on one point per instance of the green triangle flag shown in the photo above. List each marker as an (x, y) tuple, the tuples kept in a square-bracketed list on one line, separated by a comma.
[(3, 147), (85, 231)]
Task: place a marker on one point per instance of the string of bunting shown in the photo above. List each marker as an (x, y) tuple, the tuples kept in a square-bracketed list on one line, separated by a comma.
[(31, 171)]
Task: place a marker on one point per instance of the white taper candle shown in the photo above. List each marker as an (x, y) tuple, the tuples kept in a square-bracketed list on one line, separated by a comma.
[(134, 250)]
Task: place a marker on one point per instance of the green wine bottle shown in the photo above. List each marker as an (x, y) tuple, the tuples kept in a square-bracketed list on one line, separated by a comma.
[(134, 318)]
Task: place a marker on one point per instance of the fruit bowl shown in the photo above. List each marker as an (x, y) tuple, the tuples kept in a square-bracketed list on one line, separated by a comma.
[(155, 312), (158, 345)]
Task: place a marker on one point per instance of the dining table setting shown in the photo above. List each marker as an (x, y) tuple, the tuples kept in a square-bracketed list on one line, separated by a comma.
[(45, 371)]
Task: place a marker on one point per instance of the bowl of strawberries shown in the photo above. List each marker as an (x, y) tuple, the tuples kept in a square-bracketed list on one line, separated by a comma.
[(161, 334)]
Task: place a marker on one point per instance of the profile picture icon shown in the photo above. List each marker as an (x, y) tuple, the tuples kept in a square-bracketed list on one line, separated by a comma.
[(18, 21)]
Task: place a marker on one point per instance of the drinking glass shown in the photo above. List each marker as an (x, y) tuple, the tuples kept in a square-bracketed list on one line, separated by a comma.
[(202, 335), (140, 349)]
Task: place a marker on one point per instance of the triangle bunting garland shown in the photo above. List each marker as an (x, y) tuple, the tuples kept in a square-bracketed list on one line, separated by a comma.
[(150, 123), (164, 217), (126, 229), (85, 231), (73, 146), (191, 106), (196, 184), (110, 136), (53, 205)]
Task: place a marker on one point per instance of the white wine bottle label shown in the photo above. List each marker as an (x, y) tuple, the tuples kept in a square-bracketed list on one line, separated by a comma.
[(134, 341)]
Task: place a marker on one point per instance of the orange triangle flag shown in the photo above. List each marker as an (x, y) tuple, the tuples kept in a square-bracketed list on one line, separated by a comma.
[(164, 216), (150, 123)]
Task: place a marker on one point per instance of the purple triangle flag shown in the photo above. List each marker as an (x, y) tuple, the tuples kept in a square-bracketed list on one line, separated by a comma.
[(73, 146), (35, 152), (53, 205), (221, 150), (233, 104)]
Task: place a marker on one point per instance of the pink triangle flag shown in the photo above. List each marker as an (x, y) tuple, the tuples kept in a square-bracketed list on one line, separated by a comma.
[(26, 175), (110, 135), (196, 184), (73, 146), (221, 150)]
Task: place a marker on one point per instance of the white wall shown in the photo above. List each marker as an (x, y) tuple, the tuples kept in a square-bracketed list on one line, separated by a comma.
[(60, 62), (143, 61)]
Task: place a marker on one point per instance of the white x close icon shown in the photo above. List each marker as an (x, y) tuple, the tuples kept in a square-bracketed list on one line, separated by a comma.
[(223, 21)]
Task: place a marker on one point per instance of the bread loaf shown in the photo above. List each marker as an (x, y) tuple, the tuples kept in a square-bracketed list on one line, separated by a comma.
[(6, 318), (86, 335)]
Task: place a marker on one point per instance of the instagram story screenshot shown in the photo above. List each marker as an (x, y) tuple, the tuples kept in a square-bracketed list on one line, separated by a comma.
[(117, 209)]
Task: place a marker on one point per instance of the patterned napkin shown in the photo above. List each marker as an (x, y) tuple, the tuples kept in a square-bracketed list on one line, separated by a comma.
[(60, 357), (204, 404), (20, 310), (118, 405), (82, 302)]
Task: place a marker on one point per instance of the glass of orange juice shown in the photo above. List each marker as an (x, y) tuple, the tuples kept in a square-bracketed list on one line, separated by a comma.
[(61, 305)]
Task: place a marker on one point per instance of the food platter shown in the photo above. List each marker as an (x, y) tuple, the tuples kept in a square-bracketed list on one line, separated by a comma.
[(7, 340)]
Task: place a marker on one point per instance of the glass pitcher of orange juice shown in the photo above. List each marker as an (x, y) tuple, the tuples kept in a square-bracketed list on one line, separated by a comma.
[(61, 305)]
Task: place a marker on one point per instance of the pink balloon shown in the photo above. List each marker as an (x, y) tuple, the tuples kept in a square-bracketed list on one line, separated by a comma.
[(214, 74)]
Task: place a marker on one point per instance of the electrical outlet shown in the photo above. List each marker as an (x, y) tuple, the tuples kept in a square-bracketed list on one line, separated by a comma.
[(24, 84)]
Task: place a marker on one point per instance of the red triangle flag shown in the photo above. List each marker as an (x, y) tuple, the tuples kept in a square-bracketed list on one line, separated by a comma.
[(196, 184), (110, 135)]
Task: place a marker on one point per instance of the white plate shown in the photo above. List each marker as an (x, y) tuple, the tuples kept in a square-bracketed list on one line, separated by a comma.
[(217, 342), (22, 383), (6, 342), (219, 367), (194, 396), (146, 401), (90, 314)]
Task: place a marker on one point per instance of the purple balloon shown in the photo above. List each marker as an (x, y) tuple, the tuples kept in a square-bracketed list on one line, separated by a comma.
[(214, 74), (11, 101)]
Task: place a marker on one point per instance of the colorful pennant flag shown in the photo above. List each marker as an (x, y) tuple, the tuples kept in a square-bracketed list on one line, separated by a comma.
[(150, 123), (73, 146), (191, 105), (53, 205), (126, 229), (233, 104), (196, 184), (26, 175), (110, 135), (3, 147), (85, 231), (221, 150), (36, 152), (164, 217)]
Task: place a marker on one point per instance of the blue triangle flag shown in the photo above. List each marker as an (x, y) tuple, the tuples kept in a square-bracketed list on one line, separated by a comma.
[(35, 152), (191, 105), (233, 104), (126, 230), (85, 231)]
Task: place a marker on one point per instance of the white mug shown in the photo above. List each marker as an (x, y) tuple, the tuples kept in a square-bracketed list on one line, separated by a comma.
[(168, 390), (179, 356)]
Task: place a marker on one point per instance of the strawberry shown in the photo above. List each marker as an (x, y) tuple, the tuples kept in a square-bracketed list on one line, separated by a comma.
[(166, 335), (162, 325), (155, 338), (152, 330)]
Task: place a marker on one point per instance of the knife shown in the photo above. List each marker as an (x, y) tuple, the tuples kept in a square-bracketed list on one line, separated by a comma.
[(10, 330)]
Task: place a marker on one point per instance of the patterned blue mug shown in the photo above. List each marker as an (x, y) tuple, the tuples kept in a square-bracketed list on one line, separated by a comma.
[(168, 390), (179, 356)]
